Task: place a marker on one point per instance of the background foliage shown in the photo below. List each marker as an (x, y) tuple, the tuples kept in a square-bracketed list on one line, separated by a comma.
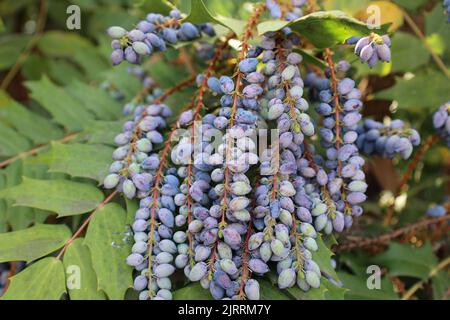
[(58, 117)]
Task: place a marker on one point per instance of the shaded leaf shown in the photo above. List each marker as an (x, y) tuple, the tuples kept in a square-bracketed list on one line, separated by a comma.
[(358, 290), (425, 90), (403, 45), (12, 142), (406, 260), (33, 126), (66, 110), (32, 243), (63, 197)]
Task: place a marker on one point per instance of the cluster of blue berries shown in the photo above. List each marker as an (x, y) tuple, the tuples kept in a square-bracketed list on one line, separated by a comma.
[(200, 210), (153, 34), (372, 49), (387, 140), (441, 122)]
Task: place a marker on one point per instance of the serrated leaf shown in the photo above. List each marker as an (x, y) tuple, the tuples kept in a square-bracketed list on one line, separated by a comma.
[(358, 289), (109, 249), (95, 100), (32, 243), (402, 45), (12, 142), (424, 90), (77, 259), (63, 197), (406, 260), (323, 258), (33, 126), (66, 110), (103, 132), (192, 291), (200, 14), (43, 280), (81, 160), (323, 28)]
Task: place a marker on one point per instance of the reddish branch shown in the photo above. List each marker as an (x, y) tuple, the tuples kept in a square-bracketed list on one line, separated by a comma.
[(245, 254), (337, 107), (36, 150), (408, 174), (360, 242), (85, 224)]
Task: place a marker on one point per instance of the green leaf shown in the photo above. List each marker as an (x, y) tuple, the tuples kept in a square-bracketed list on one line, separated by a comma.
[(311, 294), (424, 90), (192, 291), (440, 284), (323, 28), (358, 290), (11, 46), (12, 142), (333, 292), (269, 291), (33, 126), (156, 6), (77, 259), (403, 45), (109, 249), (95, 100), (63, 197), (200, 14), (65, 109), (323, 258), (81, 160), (406, 260), (71, 45), (132, 206), (32, 243), (103, 132), (43, 280)]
